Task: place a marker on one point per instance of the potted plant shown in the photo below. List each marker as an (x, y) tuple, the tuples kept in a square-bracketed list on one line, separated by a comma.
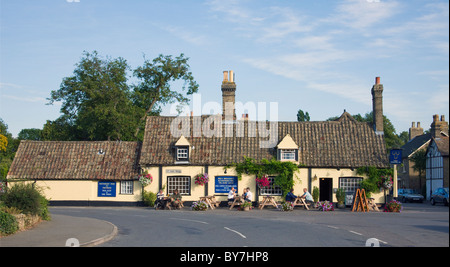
[(340, 196), (287, 206), (393, 206), (246, 206), (326, 206), (199, 205), (315, 195)]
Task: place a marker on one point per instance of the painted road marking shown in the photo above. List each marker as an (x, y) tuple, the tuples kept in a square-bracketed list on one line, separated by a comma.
[(188, 220), (234, 231)]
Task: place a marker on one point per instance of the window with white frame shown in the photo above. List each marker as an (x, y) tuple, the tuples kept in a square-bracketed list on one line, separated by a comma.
[(126, 187), (182, 183), (183, 153), (288, 154), (272, 189), (349, 184)]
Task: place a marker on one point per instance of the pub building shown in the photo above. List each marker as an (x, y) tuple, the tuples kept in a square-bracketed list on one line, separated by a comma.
[(176, 149)]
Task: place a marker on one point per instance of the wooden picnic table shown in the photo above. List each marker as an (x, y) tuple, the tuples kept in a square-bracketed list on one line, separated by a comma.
[(211, 201), (299, 201), (237, 201), (268, 200)]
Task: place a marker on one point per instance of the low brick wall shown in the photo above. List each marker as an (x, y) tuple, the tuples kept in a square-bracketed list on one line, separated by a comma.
[(27, 221)]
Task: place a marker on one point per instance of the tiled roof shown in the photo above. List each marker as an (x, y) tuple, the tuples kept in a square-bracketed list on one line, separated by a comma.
[(414, 144), (443, 145), (341, 143), (76, 160)]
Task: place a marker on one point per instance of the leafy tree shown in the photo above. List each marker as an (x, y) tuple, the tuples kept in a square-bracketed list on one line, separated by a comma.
[(420, 159), (96, 99), (30, 134), (302, 116), (99, 104), (7, 154), (154, 88), (3, 142)]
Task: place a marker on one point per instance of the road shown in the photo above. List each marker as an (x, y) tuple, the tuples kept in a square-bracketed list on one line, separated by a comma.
[(417, 225)]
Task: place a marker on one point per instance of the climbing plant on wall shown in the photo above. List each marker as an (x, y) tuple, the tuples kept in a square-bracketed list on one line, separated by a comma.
[(375, 177), (282, 170)]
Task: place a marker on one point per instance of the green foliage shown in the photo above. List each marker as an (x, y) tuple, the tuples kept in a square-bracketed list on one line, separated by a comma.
[(315, 194), (30, 134), (7, 152), (302, 116), (28, 199), (98, 103), (149, 198), (370, 185), (8, 223), (420, 159), (284, 171), (340, 195)]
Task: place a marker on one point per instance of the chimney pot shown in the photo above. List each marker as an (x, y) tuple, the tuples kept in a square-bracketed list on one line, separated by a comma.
[(418, 124), (413, 125), (225, 76), (435, 117), (377, 80), (231, 76), (442, 118)]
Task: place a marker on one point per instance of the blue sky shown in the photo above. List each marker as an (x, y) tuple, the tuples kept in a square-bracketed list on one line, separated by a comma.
[(318, 56)]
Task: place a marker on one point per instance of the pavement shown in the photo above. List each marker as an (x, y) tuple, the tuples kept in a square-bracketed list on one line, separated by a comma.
[(61, 231)]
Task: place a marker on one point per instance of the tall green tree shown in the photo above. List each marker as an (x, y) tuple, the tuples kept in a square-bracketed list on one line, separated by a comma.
[(96, 98), (303, 116), (98, 102), (156, 79), (30, 134), (7, 152), (419, 160)]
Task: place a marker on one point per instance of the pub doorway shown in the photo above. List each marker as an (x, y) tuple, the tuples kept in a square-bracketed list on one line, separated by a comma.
[(326, 189)]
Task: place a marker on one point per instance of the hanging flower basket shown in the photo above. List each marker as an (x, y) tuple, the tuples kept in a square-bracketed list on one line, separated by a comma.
[(201, 179), (385, 183), (145, 179), (263, 182)]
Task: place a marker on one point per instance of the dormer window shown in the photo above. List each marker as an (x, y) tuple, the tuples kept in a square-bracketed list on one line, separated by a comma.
[(288, 154), (287, 149), (183, 153), (182, 150)]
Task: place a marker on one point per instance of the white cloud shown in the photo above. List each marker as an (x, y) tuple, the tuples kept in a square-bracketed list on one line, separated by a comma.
[(362, 14), (186, 35)]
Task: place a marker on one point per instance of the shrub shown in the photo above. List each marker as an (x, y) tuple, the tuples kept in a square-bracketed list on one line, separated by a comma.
[(8, 223), (28, 199), (149, 198), (315, 194)]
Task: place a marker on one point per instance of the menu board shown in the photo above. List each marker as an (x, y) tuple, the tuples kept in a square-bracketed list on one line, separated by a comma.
[(106, 189), (223, 184)]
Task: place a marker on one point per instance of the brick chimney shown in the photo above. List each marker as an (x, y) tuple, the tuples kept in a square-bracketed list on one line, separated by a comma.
[(377, 106), (228, 96), (415, 131), (438, 126)]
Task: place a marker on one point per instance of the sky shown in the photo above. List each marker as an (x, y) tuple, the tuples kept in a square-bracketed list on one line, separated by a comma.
[(318, 56)]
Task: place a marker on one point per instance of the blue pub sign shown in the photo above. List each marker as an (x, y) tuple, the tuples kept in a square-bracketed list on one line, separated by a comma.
[(223, 184), (106, 189), (395, 156)]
